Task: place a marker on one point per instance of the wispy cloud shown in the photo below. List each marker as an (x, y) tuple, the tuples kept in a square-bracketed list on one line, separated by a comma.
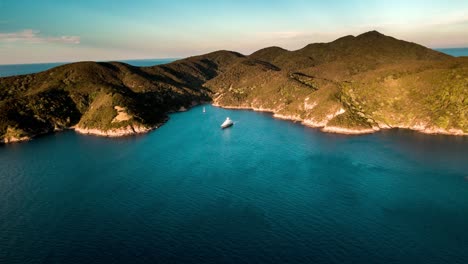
[(35, 37)]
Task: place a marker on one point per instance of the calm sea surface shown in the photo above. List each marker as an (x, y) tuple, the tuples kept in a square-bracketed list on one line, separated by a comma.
[(263, 191), (457, 52), (16, 69)]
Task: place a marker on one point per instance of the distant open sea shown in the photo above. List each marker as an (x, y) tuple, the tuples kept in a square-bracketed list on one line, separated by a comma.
[(17, 69), (456, 52)]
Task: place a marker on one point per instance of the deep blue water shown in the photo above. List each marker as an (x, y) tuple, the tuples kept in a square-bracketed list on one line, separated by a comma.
[(457, 52), (17, 69), (263, 191)]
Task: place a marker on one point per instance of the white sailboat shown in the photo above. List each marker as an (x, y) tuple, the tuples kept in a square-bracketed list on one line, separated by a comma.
[(227, 123), (204, 111)]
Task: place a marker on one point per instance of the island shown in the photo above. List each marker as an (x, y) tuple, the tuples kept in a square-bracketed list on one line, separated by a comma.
[(353, 85)]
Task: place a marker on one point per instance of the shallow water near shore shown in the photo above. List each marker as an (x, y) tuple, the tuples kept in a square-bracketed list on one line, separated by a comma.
[(262, 191)]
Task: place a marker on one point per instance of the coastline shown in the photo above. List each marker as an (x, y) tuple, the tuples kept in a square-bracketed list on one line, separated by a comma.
[(135, 129), (14, 140), (117, 132), (129, 130), (305, 122), (343, 130), (132, 129)]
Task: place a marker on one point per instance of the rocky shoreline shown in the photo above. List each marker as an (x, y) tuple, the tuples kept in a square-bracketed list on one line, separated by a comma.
[(14, 139), (305, 122), (352, 85), (116, 132), (129, 130), (134, 129), (435, 130), (343, 130)]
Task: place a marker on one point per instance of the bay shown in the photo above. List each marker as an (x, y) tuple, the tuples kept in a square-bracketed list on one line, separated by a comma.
[(262, 191)]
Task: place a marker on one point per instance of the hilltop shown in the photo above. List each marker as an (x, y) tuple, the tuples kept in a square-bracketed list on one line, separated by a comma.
[(352, 85), (109, 99), (355, 84)]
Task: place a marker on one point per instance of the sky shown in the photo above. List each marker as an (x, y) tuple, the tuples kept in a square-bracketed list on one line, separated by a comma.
[(33, 31)]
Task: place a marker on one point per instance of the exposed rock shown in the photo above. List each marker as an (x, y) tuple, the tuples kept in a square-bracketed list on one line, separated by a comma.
[(352, 85), (122, 114), (117, 132)]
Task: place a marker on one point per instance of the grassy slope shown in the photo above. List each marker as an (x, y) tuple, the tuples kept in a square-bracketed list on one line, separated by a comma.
[(86, 94), (353, 82), (432, 94), (377, 80)]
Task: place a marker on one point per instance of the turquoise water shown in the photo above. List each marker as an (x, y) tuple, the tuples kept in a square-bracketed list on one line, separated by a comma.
[(17, 69), (457, 52), (263, 191)]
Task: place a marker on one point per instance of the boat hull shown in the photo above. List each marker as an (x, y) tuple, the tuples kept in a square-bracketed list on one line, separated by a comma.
[(227, 125)]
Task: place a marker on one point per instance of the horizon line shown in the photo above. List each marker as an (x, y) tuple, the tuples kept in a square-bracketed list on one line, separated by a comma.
[(169, 58)]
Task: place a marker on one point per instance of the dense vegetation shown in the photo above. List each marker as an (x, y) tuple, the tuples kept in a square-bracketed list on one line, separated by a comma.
[(369, 81), (91, 95)]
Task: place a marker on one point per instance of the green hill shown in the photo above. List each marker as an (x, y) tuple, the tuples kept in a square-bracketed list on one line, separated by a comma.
[(104, 98), (351, 85)]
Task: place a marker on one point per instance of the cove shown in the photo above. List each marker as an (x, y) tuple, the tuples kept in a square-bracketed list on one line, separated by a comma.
[(262, 191)]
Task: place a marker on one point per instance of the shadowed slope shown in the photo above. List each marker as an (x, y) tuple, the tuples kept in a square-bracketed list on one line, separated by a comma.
[(332, 85), (90, 95), (351, 85)]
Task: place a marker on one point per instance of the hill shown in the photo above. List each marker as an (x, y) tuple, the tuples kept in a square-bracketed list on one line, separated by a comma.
[(111, 99), (351, 85)]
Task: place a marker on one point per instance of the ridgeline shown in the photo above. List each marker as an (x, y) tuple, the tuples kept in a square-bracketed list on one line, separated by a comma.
[(352, 85)]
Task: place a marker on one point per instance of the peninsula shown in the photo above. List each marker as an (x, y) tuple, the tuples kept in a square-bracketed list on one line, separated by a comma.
[(353, 85)]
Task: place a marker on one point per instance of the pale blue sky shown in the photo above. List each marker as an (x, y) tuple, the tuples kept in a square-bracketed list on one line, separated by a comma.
[(59, 30)]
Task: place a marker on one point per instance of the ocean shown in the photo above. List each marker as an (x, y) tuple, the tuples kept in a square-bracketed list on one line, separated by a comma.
[(17, 69), (456, 52), (262, 191)]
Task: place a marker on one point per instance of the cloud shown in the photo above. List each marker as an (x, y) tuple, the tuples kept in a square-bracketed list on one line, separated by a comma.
[(35, 37)]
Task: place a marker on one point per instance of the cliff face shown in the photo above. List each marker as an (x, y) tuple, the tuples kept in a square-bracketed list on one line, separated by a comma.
[(351, 85)]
